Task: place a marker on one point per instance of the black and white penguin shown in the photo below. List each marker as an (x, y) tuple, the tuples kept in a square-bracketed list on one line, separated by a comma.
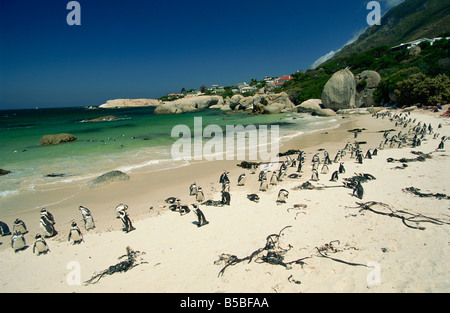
[(253, 197), (200, 216), (283, 194), (359, 190), (224, 177), (226, 187), (315, 175), (262, 175), (341, 168), (75, 234), (20, 226), (18, 241), (47, 227), (264, 185), (193, 189), (48, 216), (126, 221), (226, 198), (335, 176), (441, 145), (87, 218), (368, 155), (375, 152), (241, 179), (274, 178), (324, 169), (40, 245), (4, 229), (200, 197)]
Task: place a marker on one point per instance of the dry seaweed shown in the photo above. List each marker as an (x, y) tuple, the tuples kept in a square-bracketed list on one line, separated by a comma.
[(122, 266), (249, 165), (404, 216), (289, 152), (421, 157), (416, 191)]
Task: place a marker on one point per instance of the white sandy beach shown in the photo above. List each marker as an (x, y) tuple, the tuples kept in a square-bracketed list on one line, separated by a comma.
[(181, 257)]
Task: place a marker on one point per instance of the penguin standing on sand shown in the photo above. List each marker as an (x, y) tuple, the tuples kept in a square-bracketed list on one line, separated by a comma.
[(200, 197), (48, 216), (75, 234), (283, 194), (335, 176), (226, 198), (40, 245), (359, 190), (193, 189), (241, 179), (18, 241), (126, 221), (87, 218), (324, 169), (4, 229), (264, 185), (200, 216), (315, 176), (274, 179), (224, 177), (47, 227), (20, 226), (226, 187), (341, 168)]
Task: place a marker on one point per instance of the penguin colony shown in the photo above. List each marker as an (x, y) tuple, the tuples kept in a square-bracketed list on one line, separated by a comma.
[(412, 135)]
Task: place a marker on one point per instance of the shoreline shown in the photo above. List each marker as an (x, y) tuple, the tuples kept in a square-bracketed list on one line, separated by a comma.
[(168, 238)]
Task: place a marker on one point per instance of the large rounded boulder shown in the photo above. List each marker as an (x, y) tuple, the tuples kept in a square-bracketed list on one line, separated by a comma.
[(340, 90)]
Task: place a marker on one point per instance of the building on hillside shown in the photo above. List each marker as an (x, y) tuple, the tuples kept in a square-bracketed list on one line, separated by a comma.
[(280, 81)]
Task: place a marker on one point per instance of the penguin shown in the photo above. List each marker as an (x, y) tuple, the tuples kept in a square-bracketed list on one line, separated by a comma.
[(226, 198), (375, 152), (283, 194), (226, 187), (359, 158), (441, 145), (299, 167), (4, 229), (324, 169), (315, 165), (20, 226), (335, 176), (75, 234), (47, 227), (274, 179), (368, 155), (315, 176), (253, 197), (200, 216), (241, 179), (262, 175), (40, 245), (341, 168), (281, 174), (337, 158), (123, 215), (200, 197), (224, 177), (264, 185), (327, 160), (18, 241), (170, 200), (87, 218), (193, 189), (48, 216), (359, 190)]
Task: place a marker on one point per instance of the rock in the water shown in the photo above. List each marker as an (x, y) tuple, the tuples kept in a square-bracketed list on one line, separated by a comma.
[(324, 112), (4, 172), (340, 90), (50, 140), (108, 178), (309, 106), (129, 103)]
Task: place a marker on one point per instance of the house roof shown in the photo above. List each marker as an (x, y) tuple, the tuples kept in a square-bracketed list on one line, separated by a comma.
[(285, 77)]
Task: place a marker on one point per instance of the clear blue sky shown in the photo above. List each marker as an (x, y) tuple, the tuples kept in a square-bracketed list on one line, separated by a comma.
[(146, 49)]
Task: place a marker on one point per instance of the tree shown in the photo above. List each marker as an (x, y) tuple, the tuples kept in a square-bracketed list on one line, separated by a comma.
[(423, 89)]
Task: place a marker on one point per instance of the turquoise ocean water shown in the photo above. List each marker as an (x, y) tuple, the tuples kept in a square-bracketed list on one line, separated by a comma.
[(138, 141)]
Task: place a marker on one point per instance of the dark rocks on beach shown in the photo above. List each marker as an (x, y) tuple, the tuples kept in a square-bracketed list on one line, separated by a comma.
[(50, 140), (4, 172), (108, 178)]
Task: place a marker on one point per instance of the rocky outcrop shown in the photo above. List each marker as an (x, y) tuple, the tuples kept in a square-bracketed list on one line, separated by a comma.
[(340, 90), (4, 172), (324, 112), (108, 178), (309, 106), (129, 103), (366, 84), (189, 104), (51, 140)]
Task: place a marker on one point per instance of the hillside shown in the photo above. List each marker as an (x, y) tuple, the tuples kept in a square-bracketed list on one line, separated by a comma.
[(410, 20)]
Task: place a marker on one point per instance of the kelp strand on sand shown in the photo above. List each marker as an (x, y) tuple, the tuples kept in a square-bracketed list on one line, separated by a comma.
[(404, 216), (123, 266), (421, 157), (275, 255), (416, 191)]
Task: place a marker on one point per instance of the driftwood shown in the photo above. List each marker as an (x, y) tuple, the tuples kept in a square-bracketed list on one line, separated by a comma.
[(123, 266), (404, 216), (416, 191)]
